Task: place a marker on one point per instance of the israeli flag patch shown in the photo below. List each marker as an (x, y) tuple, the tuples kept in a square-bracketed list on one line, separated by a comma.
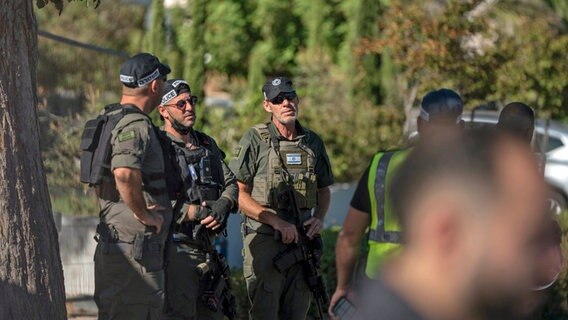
[(293, 158)]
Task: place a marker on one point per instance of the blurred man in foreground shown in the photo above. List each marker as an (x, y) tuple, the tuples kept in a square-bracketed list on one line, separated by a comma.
[(472, 213)]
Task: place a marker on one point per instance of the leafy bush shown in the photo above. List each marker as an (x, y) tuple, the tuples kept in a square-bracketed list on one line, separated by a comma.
[(556, 305)]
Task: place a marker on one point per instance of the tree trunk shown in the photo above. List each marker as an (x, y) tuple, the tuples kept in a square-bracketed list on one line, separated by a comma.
[(31, 276)]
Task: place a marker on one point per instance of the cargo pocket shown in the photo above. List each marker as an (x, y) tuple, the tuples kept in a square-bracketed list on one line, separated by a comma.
[(148, 252), (302, 297), (181, 304), (265, 300)]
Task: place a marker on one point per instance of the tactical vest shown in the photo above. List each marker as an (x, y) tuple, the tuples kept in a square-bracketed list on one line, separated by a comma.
[(384, 237), (300, 164), (203, 178), (96, 151), (95, 143)]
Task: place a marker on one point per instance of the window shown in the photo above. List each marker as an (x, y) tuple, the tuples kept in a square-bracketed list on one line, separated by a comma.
[(553, 142)]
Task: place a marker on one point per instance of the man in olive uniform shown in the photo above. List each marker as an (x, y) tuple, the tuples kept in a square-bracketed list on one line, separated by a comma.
[(135, 207), (371, 208), (269, 159), (209, 194)]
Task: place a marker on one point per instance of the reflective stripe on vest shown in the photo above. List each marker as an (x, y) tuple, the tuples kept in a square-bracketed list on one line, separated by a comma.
[(384, 236), (379, 234)]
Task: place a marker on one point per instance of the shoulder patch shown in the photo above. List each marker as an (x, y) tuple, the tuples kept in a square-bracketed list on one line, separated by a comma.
[(263, 132), (237, 151), (127, 135)]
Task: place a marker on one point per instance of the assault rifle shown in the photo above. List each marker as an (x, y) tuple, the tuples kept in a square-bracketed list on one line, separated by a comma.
[(308, 251), (216, 276)]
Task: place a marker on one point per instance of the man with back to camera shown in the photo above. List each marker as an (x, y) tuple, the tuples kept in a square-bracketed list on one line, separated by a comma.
[(269, 159), (135, 207), (518, 119), (471, 208), (440, 111), (210, 192)]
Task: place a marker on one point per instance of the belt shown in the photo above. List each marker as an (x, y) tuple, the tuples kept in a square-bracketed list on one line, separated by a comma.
[(248, 230), (125, 247)]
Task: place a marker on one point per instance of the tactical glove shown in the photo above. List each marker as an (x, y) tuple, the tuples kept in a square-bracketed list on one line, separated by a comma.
[(201, 213), (220, 208)]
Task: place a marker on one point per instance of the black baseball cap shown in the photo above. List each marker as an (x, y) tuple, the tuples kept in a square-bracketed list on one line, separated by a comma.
[(441, 104), (274, 87), (174, 88), (141, 69)]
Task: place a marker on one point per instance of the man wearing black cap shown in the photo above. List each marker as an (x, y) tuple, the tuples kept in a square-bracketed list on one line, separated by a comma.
[(210, 193), (271, 159), (135, 207), (440, 114)]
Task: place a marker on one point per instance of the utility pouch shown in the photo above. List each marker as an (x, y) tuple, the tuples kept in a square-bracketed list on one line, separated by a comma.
[(138, 247), (89, 143), (106, 233), (209, 192), (287, 258)]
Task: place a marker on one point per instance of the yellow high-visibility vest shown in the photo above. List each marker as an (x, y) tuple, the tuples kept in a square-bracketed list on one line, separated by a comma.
[(384, 236)]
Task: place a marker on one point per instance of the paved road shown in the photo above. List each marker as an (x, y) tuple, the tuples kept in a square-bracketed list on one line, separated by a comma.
[(82, 308)]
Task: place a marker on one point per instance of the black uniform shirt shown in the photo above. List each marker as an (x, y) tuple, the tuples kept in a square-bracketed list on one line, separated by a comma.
[(361, 200), (381, 302)]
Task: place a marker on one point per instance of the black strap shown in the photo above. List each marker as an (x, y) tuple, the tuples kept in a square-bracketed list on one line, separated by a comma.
[(379, 234)]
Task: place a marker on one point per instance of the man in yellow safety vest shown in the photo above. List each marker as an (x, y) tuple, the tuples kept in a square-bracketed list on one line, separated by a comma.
[(440, 112)]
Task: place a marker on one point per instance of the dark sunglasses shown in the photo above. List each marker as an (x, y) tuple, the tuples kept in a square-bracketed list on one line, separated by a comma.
[(280, 98), (181, 103)]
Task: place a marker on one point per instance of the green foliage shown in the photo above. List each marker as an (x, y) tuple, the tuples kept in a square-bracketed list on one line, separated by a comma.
[(358, 65), (476, 52), (542, 84), (560, 7), (239, 290), (59, 3), (156, 37), (194, 70), (227, 37), (61, 66), (555, 306), (74, 84)]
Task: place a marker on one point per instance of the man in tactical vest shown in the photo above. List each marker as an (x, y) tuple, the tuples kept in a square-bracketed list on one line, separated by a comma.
[(196, 275), (135, 207), (371, 209), (270, 160)]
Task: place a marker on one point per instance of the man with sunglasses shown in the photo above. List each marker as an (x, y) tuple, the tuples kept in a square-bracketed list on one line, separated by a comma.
[(269, 160), (201, 210), (135, 207)]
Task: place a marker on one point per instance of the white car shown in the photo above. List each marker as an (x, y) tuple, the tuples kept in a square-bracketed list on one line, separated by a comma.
[(550, 139)]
